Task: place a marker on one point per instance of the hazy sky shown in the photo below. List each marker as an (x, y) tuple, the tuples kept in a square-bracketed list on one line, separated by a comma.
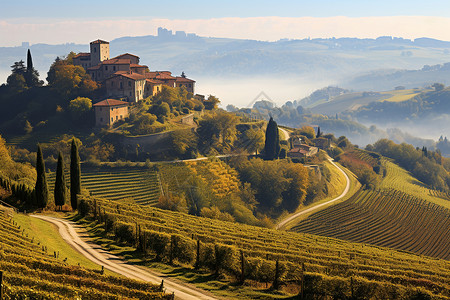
[(48, 21)]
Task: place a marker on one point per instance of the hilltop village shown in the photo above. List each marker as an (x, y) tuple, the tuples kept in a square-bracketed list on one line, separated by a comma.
[(125, 80)]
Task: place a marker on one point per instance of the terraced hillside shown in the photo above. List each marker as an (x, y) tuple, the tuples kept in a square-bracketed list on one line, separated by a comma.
[(403, 214), (30, 273), (386, 218), (140, 185), (217, 174), (333, 268)]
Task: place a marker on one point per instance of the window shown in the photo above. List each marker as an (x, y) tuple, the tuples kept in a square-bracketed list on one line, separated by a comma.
[(190, 85), (121, 85), (114, 68), (129, 83), (106, 68), (101, 120), (117, 118), (112, 83), (95, 49), (100, 109), (112, 119), (121, 116)]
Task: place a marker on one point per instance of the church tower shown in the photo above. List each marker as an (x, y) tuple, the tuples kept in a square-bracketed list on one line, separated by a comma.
[(99, 52)]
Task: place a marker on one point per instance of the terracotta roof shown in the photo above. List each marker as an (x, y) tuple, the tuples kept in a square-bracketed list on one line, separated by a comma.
[(116, 61), (110, 102), (184, 79), (133, 76), (153, 81), (138, 66), (97, 67), (119, 56), (99, 42), (159, 75), (84, 54), (298, 150)]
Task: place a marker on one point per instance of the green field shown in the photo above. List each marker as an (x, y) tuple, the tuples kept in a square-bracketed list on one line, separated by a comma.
[(138, 185), (376, 272), (402, 213), (30, 271)]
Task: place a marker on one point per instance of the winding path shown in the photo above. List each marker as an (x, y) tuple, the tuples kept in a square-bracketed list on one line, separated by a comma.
[(79, 240), (344, 193)]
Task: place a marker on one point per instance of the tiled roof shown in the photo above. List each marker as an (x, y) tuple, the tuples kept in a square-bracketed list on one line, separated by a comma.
[(184, 79), (298, 150), (97, 67), (133, 76), (116, 61), (82, 54), (119, 56), (138, 66), (159, 75), (99, 42), (153, 81), (110, 102)]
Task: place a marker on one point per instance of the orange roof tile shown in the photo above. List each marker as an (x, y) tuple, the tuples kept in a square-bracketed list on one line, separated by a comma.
[(153, 81), (133, 76), (184, 79), (97, 67), (99, 42), (110, 102), (119, 56), (116, 61), (137, 66), (82, 54)]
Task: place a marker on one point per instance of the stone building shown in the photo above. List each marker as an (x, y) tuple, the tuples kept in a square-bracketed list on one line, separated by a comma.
[(109, 111), (123, 77), (129, 86)]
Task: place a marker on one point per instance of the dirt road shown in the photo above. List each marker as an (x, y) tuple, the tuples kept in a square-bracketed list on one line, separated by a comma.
[(78, 239), (296, 215)]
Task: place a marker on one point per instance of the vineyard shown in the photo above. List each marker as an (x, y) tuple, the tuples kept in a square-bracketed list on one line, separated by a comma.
[(140, 185), (385, 218), (215, 173), (400, 179), (326, 267), (30, 273)]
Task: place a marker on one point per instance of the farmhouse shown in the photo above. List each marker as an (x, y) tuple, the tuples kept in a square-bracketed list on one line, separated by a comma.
[(302, 151), (109, 111), (123, 76)]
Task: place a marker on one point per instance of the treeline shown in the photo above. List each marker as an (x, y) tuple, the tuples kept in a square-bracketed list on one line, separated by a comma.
[(427, 166)]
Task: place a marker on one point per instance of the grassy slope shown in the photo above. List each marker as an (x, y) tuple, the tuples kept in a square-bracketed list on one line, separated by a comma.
[(321, 255), (47, 234), (30, 270), (335, 188), (400, 179), (402, 95), (138, 185), (402, 215)]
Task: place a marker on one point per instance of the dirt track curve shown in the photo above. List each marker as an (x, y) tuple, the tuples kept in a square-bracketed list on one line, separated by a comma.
[(80, 241), (296, 215)]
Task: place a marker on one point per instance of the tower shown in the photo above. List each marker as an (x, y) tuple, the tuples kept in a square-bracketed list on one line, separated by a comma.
[(99, 52)]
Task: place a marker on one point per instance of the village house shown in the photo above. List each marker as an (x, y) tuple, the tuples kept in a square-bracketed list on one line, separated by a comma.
[(123, 76), (302, 151), (109, 111), (126, 85)]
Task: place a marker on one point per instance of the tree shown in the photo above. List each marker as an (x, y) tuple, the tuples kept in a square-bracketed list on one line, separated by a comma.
[(32, 75), (69, 80), (318, 132), (75, 175), (272, 143), (60, 183), (41, 188), (438, 86), (79, 109), (253, 140), (211, 103)]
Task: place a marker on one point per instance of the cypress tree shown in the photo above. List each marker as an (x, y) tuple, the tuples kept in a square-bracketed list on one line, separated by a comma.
[(60, 183), (75, 175), (318, 132), (41, 188), (272, 143)]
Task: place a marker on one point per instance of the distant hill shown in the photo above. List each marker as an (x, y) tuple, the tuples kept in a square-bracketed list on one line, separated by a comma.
[(315, 59)]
